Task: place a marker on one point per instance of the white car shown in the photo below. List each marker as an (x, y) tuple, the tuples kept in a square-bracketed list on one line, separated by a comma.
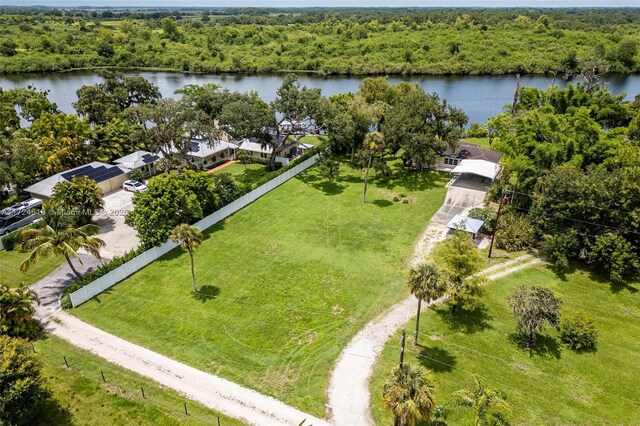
[(134, 186)]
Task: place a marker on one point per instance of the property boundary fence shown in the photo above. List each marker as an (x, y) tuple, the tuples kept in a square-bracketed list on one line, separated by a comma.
[(113, 277)]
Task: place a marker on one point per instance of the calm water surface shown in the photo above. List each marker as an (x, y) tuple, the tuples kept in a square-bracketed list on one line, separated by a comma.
[(479, 96)]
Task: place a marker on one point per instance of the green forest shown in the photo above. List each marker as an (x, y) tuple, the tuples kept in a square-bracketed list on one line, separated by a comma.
[(344, 41)]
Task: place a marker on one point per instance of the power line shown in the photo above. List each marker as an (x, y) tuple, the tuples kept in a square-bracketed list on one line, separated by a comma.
[(570, 201)]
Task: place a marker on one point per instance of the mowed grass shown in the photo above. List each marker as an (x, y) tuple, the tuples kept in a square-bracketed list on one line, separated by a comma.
[(80, 397), (481, 142), (288, 281), (554, 385), (247, 173), (11, 275)]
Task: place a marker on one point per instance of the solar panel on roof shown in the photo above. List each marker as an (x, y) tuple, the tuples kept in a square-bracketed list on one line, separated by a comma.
[(70, 174), (107, 174), (96, 171), (149, 158), (195, 147)]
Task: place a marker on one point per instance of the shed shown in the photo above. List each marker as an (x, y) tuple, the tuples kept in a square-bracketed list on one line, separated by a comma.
[(467, 224)]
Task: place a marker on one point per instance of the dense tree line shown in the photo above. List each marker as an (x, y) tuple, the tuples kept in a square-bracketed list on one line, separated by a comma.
[(571, 162), (369, 41)]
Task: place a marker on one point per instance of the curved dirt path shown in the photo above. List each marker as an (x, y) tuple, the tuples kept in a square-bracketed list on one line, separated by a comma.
[(209, 390), (349, 394)]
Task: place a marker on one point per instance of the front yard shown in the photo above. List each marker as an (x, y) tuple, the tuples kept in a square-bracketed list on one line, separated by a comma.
[(286, 282), (11, 275)]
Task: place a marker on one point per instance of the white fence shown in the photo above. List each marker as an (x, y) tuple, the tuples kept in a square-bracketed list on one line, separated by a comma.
[(110, 279)]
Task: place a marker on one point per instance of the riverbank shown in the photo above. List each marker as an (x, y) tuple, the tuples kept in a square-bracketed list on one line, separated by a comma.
[(480, 97)]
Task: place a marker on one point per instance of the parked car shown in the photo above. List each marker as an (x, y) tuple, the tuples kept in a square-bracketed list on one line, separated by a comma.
[(19, 215), (134, 186)]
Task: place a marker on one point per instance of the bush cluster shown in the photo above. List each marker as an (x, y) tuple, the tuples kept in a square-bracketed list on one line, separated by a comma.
[(578, 332)]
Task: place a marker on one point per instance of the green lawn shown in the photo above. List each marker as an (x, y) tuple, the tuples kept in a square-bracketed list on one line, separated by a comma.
[(481, 142), (10, 268), (292, 278), (80, 397), (552, 386), (244, 173)]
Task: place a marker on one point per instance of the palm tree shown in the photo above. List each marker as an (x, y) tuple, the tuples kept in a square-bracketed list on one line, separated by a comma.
[(408, 393), (57, 237), (189, 238), (373, 142), (485, 402), (16, 311), (425, 282)]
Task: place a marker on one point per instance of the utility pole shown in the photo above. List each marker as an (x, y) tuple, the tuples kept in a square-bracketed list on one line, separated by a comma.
[(516, 95), (503, 201), (402, 348)]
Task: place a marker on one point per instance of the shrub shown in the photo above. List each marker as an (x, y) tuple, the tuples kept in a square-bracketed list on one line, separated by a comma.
[(578, 332), (515, 232), (487, 215), (22, 386), (560, 248), (136, 174), (477, 130)]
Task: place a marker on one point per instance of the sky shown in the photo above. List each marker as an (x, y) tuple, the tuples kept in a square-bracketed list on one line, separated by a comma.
[(330, 3)]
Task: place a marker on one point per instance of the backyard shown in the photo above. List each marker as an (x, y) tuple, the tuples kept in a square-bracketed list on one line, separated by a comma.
[(285, 283), (80, 397), (553, 382)]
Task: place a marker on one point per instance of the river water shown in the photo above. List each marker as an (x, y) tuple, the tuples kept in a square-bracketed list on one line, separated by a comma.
[(480, 97)]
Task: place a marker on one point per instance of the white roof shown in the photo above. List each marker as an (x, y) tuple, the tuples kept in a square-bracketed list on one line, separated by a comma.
[(137, 159), (247, 145), (204, 149), (482, 168), (464, 223)]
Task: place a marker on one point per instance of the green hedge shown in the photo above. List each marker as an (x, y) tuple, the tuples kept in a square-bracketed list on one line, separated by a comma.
[(101, 270)]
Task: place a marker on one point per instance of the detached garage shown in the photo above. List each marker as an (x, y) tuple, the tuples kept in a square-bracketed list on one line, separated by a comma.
[(108, 177)]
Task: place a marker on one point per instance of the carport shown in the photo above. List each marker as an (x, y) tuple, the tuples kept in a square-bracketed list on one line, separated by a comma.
[(483, 168)]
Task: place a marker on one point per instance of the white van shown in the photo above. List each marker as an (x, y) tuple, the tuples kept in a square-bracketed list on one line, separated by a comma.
[(19, 215)]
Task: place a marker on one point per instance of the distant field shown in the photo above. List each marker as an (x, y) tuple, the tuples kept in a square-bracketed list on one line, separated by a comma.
[(481, 142), (82, 398), (10, 268), (553, 385), (286, 282)]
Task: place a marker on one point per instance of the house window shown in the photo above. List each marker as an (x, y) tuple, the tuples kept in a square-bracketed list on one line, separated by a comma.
[(451, 161), (263, 155)]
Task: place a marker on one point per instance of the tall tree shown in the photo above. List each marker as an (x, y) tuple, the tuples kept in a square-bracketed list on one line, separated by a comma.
[(373, 145), (189, 238), (16, 312), (169, 126), (103, 102), (534, 307), (488, 405), (409, 394), (57, 237), (171, 199), (63, 138), (81, 197), (461, 261), (425, 283)]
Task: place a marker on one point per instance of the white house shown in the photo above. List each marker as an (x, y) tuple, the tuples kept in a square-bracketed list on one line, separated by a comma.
[(143, 160)]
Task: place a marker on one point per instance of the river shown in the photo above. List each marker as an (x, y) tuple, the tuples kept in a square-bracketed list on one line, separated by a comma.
[(479, 96)]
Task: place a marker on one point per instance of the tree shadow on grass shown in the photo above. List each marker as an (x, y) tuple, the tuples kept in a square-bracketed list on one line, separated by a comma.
[(598, 276), (206, 293), (382, 203), (50, 412), (329, 188), (543, 346), (437, 359), (469, 319)]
